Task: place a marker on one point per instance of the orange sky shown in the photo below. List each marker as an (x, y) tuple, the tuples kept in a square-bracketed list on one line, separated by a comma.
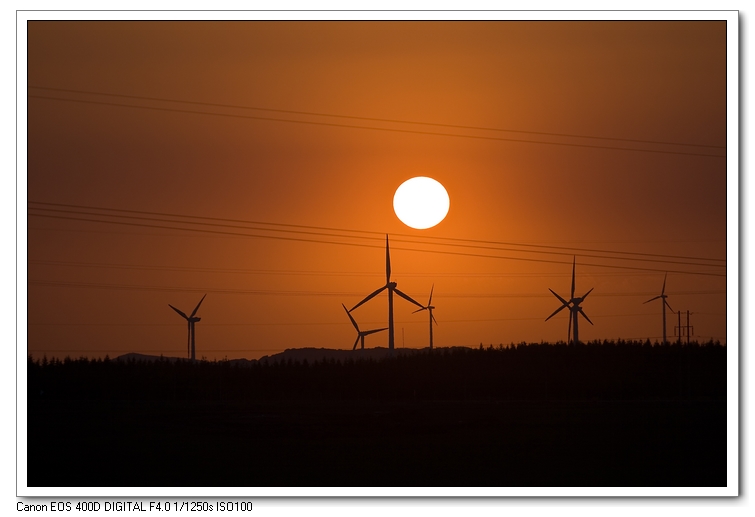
[(99, 288)]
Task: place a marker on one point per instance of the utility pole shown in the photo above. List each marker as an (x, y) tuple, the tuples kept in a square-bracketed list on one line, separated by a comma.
[(685, 386), (688, 328), (678, 333)]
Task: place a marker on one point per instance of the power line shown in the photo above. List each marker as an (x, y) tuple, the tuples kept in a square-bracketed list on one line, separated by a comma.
[(293, 272), (562, 249), (261, 292), (340, 323), (269, 292), (374, 119), (602, 241), (319, 241), (635, 259), (373, 128)]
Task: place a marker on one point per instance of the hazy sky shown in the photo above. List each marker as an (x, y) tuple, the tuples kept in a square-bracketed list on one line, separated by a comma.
[(152, 118)]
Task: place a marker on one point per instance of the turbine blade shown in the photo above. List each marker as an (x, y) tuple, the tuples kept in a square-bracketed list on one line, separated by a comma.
[(406, 297), (585, 315), (422, 309), (573, 271), (557, 296), (350, 317), (663, 289), (368, 332), (565, 305), (650, 300), (179, 312), (433, 317), (356, 342), (369, 297), (430, 301), (387, 261), (667, 305), (588, 292), (197, 307)]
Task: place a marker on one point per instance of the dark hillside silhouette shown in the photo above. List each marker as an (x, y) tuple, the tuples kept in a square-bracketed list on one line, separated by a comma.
[(597, 414), (597, 370)]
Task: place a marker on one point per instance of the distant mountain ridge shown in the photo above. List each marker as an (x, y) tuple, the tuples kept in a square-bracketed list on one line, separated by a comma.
[(154, 358), (319, 354), (308, 354)]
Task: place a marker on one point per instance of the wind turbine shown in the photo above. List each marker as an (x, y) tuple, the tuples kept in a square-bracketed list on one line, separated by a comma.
[(665, 304), (573, 306), (391, 286), (360, 333), (191, 320), (429, 308)]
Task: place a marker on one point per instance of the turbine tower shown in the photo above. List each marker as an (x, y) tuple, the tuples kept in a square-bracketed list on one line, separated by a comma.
[(573, 306), (360, 333), (665, 304), (191, 320), (391, 286), (429, 308)]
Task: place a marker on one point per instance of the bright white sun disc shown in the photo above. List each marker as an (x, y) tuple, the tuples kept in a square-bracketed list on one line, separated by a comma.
[(421, 202)]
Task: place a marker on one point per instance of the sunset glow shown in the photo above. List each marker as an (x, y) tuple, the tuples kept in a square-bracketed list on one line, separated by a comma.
[(274, 200)]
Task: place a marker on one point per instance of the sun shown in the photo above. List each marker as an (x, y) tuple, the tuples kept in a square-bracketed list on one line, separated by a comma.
[(421, 202)]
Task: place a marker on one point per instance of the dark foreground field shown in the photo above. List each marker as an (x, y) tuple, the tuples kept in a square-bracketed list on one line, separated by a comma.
[(442, 443), (662, 422)]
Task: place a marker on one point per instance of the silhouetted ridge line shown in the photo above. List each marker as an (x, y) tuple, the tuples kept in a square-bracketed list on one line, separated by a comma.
[(348, 353), (390, 130), (374, 119), (598, 369), (571, 250)]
